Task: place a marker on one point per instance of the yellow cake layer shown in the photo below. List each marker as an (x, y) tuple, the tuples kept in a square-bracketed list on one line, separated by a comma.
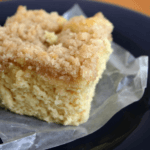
[(25, 92)]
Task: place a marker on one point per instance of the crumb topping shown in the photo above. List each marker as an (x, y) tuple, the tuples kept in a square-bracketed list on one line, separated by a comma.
[(51, 37), (48, 44)]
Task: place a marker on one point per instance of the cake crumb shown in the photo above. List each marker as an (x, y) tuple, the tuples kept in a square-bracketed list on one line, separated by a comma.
[(51, 37)]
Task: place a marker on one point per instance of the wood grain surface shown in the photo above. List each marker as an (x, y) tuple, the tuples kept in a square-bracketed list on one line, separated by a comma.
[(142, 6)]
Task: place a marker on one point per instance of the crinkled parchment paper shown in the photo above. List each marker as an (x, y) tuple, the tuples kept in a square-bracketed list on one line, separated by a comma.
[(123, 83)]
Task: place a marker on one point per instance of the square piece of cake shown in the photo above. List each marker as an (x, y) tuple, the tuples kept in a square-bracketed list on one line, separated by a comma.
[(49, 67)]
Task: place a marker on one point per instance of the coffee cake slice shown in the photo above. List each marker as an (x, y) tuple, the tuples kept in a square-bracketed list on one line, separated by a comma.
[(49, 67)]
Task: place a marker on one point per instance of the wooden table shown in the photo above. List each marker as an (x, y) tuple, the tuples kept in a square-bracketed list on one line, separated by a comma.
[(142, 6)]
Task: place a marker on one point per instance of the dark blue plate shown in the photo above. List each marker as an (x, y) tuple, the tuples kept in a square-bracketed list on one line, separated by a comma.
[(130, 127)]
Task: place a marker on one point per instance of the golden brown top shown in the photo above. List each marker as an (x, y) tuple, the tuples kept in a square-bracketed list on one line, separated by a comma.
[(50, 45)]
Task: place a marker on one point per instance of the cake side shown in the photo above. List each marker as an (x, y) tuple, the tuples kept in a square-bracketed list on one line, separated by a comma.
[(27, 93)]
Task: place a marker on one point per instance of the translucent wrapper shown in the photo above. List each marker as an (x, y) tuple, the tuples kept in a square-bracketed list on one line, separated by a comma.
[(123, 83)]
